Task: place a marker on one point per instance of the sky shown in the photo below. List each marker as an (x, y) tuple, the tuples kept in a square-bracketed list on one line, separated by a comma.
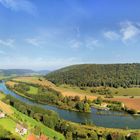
[(50, 34)]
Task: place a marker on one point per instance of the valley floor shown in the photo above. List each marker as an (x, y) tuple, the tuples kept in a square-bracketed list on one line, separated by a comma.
[(123, 95)]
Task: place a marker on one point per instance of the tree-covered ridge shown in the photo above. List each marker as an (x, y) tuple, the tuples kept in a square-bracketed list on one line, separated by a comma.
[(113, 75)]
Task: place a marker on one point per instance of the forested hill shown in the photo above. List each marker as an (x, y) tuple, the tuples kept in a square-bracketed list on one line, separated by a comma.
[(113, 75)]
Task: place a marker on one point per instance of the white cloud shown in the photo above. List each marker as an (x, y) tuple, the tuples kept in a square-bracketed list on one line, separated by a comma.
[(19, 5), (75, 44), (37, 63), (89, 43), (36, 41), (7, 42), (92, 43), (129, 30), (111, 35)]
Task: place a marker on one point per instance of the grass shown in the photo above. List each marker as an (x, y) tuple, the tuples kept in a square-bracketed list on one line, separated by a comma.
[(9, 123), (32, 123), (33, 90), (123, 94), (2, 77), (4, 107), (43, 82), (2, 95), (126, 91), (135, 91)]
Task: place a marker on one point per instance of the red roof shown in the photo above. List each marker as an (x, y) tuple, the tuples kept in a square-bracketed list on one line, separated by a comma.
[(43, 137), (31, 137)]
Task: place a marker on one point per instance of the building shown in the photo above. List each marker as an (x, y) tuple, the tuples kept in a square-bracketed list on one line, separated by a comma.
[(41, 137), (32, 137), (22, 130), (2, 115)]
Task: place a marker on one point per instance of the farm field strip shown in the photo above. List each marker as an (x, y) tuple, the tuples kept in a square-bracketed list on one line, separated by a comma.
[(123, 95), (63, 91)]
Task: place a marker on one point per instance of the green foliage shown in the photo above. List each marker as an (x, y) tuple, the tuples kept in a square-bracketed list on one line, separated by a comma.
[(4, 134), (116, 136), (134, 136), (86, 107), (93, 75), (73, 131), (49, 118), (50, 96), (80, 106), (131, 111), (99, 100)]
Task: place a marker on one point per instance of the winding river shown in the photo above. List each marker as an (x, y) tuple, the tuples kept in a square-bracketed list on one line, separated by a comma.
[(112, 119)]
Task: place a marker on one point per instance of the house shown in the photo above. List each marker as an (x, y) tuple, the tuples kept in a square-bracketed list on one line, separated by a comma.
[(2, 115), (22, 130), (32, 137), (41, 137)]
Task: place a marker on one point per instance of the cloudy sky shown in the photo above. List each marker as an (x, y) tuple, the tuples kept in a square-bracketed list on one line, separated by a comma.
[(49, 34)]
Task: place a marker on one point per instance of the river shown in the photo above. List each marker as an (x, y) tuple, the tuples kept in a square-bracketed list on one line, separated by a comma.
[(110, 119)]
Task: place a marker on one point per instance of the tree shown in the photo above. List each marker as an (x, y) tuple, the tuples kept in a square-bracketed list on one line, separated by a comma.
[(99, 100), (79, 106), (77, 98), (69, 136), (86, 107)]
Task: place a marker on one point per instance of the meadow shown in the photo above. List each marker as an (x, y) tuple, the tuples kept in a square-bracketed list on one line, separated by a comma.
[(13, 117)]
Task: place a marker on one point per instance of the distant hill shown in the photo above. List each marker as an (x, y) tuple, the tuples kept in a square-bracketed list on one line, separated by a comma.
[(43, 72), (8, 72), (22, 72), (113, 75)]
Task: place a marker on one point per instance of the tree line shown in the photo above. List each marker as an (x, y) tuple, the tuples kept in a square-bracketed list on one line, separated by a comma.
[(50, 96), (47, 117), (93, 75)]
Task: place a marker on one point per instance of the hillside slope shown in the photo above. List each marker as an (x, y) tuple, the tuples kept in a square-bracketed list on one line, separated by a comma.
[(113, 75)]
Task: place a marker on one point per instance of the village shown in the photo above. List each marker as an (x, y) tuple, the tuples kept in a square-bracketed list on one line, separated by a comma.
[(22, 130), (15, 126)]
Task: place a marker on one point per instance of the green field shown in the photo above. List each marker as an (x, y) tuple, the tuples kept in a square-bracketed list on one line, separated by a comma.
[(33, 90), (126, 92), (8, 124), (135, 91), (32, 123)]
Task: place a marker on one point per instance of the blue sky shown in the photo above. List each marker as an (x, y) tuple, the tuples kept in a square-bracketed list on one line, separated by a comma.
[(49, 34)]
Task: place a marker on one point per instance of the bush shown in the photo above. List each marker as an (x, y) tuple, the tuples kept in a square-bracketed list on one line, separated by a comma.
[(116, 136), (135, 136)]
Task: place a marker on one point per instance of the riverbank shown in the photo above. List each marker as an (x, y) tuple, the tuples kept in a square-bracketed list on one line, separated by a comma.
[(72, 103), (73, 130), (31, 99), (113, 120)]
